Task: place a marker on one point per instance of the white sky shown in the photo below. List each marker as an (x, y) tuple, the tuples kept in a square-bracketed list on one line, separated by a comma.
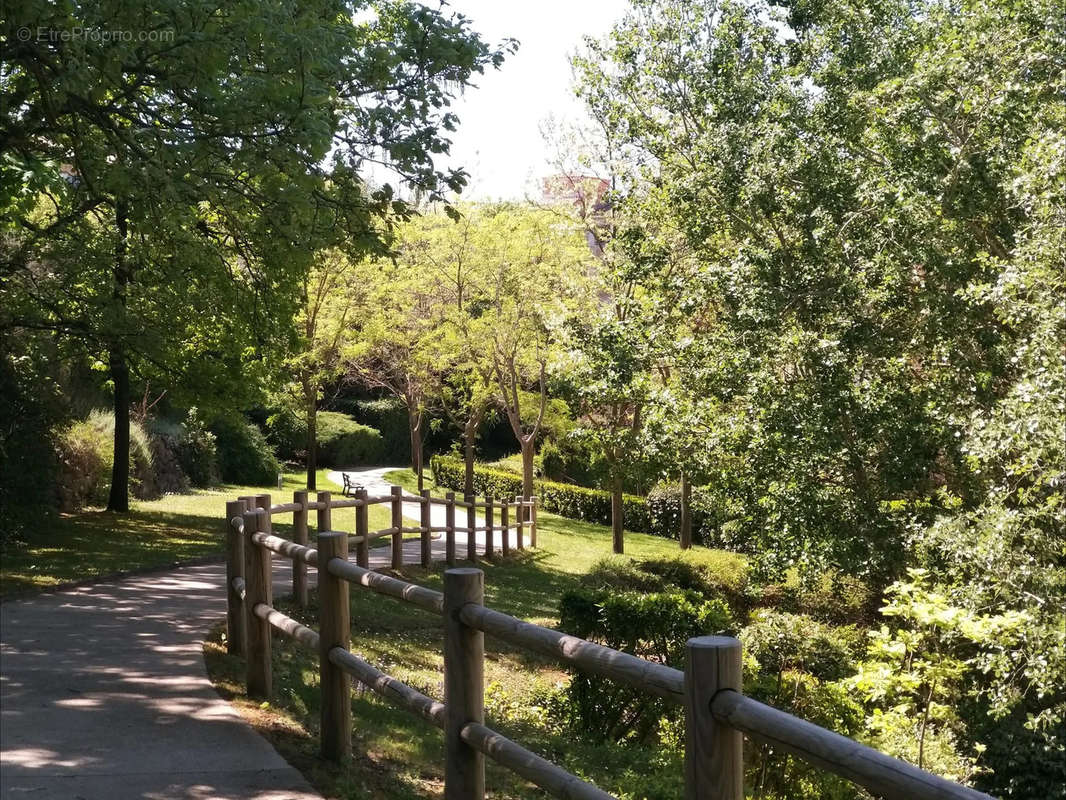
[(498, 139)]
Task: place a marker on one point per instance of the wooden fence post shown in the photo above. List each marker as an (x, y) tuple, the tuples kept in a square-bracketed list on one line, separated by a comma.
[(464, 685), (714, 760), (362, 528), (533, 522), (489, 544), (324, 520), (299, 568), (334, 631), (504, 508), (397, 524), (449, 533), (257, 589), (234, 570), (427, 542), (520, 520), (471, 534)]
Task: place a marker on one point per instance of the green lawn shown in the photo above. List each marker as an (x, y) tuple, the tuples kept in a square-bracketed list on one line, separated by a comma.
[(155, 533), (398, 756)]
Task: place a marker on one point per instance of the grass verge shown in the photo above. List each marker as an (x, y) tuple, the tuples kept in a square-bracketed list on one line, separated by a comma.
[(155, 533)]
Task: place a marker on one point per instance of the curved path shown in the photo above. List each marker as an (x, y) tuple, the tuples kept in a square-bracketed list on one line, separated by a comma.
[(104, 694)]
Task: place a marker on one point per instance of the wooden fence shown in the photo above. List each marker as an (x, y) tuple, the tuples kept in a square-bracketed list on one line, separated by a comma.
[(717, 713)]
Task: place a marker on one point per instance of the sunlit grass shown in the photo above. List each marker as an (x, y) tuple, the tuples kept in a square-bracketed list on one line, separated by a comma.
[(155, 533)]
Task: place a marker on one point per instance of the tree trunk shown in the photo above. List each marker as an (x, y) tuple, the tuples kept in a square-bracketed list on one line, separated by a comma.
[(468, 457), (311, 398), (686, 512), (119, 497), (616, 512), (414, 423), (527, 466)]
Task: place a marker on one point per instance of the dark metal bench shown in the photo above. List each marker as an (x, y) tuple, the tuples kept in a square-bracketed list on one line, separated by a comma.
[(349, 486)]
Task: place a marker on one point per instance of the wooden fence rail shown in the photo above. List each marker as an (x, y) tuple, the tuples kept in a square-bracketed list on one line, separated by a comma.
[(717, 713)]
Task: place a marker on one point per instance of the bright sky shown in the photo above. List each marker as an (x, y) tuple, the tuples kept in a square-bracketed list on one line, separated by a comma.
[(498, 141)]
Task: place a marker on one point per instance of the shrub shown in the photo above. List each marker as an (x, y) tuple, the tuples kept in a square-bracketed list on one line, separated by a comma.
[(831, 597), (343, 442), (198, 451), (169, 476), (85, 458), (86, 455), (244, 455), (664, 505), (709, 574), (287, 434), (653, 625), (781, 641), (796, 663), (773, 774), (388, 416), (568, 500)]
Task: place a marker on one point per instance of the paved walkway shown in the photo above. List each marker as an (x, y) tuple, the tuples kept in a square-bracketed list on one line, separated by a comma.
[(104, 694)]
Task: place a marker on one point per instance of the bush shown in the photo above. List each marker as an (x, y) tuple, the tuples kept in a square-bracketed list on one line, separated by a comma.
[(795, 663), (287, 434), (773, 774), (198, 451), (343, 442), (244, 455), (388, 416), (652, 625), (86, 455), (781, 641), (169, 477), (831, 597), (709, 574)]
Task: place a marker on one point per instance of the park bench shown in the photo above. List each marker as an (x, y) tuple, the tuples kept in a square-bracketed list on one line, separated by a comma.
[(349, 487)]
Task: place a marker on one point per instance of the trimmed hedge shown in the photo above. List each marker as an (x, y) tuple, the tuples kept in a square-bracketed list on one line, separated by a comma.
[(343, 442), (659, 514)]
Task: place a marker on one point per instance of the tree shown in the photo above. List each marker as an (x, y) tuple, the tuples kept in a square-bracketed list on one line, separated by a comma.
[(161, 191), (394, 342), (608, 369), (535, 270), (463, 383), (866, 194), (836, 219), (332, 293), (610, 383)]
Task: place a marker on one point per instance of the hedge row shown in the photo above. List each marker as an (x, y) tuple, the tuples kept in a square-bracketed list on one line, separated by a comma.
[(658, 514)]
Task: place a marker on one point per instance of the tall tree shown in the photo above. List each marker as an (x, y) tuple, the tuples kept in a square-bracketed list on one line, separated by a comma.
[(858, 187), (163, 191), (332, 294), (463, 382), (394, 341), (536, 270)]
